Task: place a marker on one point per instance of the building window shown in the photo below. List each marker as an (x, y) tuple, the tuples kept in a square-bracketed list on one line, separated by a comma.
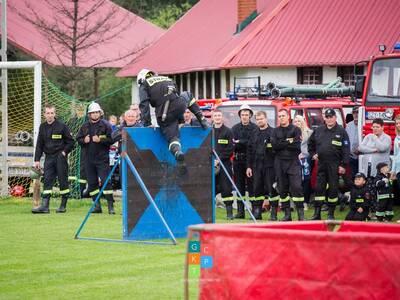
[(309, 75), (208, 84), (347, 74), (200, 79), (193, 83), (217, 83), (184, 82)]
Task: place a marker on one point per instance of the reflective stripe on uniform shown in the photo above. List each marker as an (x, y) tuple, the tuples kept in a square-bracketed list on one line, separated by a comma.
[(269, 145), (380, 213), (46, 192), (389, 213), (383, 196), (276, 198), (193, 101), (174, 143), (71, 178), (284, 199), (95, 192), (332, 200), (63, 192), (360, 200), (102, 136), (337, 143), (298, 199), (82, 181), (319, 198), (153, 80), (56, 136), (107, 192), (222, 141)]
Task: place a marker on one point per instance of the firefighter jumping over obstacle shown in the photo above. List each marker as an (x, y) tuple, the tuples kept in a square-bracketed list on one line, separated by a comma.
[(161, 92)]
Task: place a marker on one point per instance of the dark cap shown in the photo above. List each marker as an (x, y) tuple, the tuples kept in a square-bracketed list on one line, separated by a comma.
[(355, 109), (359, 175), (329, 112), (380, 166)]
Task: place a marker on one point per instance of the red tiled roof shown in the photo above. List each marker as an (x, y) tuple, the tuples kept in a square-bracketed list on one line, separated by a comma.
[(135, 35), (286, 33)]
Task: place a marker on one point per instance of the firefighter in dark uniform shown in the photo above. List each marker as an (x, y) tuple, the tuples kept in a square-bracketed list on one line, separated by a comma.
[(329, 145), (55, 140), (95, 138), (161, 92), (241, 135), (286, 142), (359, 199), (260, 166), (223, 141), (384, 192)]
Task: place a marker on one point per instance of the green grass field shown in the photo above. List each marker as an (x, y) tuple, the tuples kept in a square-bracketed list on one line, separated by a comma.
[(40, 259)]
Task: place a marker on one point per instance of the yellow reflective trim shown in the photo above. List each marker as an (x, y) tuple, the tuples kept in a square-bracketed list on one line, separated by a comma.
[(107, 192), (319, 198), (193, 101), (46, 192), (95, 192), (359, 200), (222, 141), (82, 181), (284, 199), (155, 79), (102, 136), (174, 143), (56, 136), (298, 199), (269, 145), (332, 200), (71, 177), (63, 192), (276, 198), (337, 143)]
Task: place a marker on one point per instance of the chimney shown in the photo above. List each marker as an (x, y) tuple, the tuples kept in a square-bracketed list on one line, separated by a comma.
[(245, 8)]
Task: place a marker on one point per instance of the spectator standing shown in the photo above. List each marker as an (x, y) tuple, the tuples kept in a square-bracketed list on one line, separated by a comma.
[(352, 132), (329, 145), (55, 141), (375, 147), (241, 135), (95, 137), (306, 162), (286, 142)]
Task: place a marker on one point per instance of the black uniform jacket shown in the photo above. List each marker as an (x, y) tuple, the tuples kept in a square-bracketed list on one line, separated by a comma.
[(53, 138), (330, 144), (384, 187), (223, 141), (242, 133), (96, 150), (286, 142), (155, 91), (259, 149), (359, 197)]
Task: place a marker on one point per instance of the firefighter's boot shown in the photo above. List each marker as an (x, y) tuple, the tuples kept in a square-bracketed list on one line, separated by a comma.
[(175, 148), (240, 210), (300, 213), (331, 212), (274, 210), (317, 213), (97, 209), (110, 204), (44, 208), (288, 214), (63, 205), (229, 210), (257, 211)]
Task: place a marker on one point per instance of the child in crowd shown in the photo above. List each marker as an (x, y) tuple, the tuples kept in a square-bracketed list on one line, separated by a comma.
[(384, 189), (360, 199)]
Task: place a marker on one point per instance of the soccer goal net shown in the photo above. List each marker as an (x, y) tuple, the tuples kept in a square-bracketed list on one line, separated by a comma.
[(28, 91)]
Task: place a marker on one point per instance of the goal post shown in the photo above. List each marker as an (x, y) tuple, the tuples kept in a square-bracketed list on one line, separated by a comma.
[(37, 102)]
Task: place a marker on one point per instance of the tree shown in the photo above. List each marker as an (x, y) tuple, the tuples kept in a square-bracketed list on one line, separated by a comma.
[(75, 27)]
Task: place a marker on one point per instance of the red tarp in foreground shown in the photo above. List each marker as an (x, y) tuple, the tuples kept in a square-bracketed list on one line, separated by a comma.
[(298, 260)]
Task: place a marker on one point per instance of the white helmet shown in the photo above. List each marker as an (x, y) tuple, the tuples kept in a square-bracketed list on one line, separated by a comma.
[(93, 107), (245, 107), (143, 74)]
